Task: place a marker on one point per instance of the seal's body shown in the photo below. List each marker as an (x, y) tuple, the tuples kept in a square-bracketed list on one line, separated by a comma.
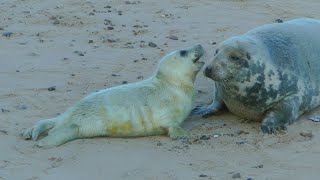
[(270, 73), (155, 106)]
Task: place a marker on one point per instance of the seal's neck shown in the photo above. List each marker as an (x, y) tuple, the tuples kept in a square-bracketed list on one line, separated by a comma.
[(186, 84)]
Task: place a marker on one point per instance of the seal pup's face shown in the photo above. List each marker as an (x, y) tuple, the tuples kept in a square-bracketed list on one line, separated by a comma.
[(181, 65), (232, 59)]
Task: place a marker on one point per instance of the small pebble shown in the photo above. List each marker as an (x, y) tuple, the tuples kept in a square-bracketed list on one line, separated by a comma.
[(91, 14), (260, 166), (65, 58), (124, 82), (204, 137), (151, 44), (111, 40), (52, 88), (119, 13), (17, 71), (90, 41), (159, 144), (203, 175), (108, 7), (110, 28), (308, 135), (241, 132), (21, 107), (140, 77), (213, 43), (1, 28), (80, 53), (236, 176), (73, 75), (108, 22), (7, 34), (115, 75), (4, 132), (173, 37), (278, 21), (216, 135), (5, 110), (249, 179)]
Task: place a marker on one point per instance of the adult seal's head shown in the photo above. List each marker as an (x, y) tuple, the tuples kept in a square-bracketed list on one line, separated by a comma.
[(270, 73), (235, 56)]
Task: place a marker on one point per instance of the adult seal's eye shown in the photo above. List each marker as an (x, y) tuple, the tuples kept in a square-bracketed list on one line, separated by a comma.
[(235, 58), (183, 53)]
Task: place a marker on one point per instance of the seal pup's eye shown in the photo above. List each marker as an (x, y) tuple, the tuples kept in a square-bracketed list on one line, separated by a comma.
[(183, 53), (235, 58)]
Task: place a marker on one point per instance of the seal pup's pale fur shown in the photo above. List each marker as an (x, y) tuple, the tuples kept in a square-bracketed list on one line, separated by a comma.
[(155, 106)]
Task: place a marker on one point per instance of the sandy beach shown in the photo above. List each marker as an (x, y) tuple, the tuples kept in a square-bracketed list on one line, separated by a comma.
[(54, 53)]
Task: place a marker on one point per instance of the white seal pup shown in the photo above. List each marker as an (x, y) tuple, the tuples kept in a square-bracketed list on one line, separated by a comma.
[(155, 106), (269, 74)]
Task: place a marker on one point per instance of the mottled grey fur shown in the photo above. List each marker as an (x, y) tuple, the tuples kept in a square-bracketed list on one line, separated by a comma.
[(271, 73)]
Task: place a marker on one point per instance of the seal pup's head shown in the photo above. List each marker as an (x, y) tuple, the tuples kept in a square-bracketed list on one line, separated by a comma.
[(232, 60), (181, 66)]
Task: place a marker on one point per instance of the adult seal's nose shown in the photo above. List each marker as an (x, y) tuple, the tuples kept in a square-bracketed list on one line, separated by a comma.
[(207, 71), (199, 50)]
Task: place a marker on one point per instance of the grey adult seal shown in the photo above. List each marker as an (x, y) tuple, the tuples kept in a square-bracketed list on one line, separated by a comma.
[(269, 74)]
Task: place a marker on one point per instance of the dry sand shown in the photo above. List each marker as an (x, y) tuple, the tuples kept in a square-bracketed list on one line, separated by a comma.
[(50, 47)]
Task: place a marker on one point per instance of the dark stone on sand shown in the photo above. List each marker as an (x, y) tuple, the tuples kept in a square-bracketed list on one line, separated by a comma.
[(5, 110), (151, 44), (7, 34), (278, 21), (52, 88), (4, 132), (204, 137), (21, 107), (173, 37), (80, 53)]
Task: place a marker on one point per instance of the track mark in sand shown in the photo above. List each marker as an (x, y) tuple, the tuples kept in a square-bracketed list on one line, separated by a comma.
[(55, 162)]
